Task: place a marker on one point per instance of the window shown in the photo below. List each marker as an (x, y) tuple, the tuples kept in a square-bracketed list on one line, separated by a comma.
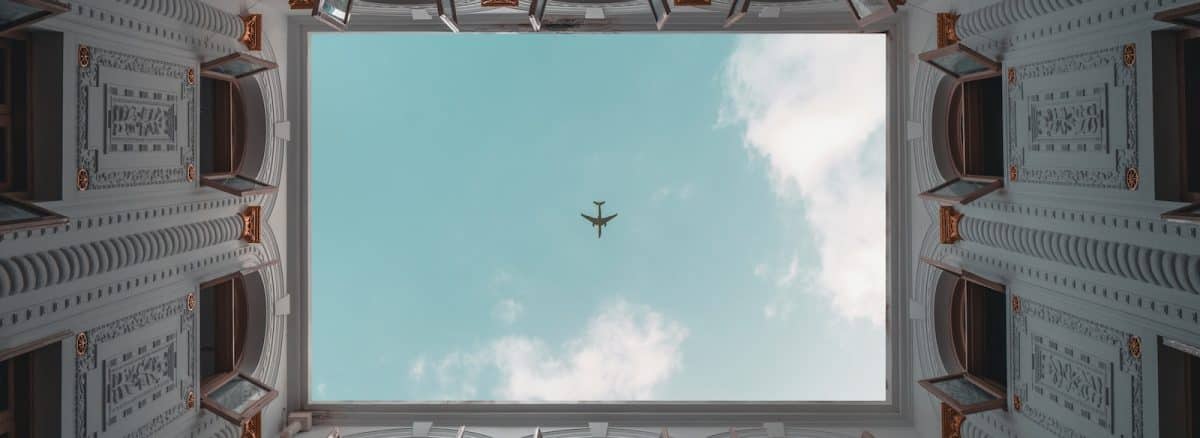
[(29, 388), (1179, 389), (226, 391), (16, 126), (21, 13), (870, 11), (978, 328), (1177, 120), (222, 120), (335, 13)]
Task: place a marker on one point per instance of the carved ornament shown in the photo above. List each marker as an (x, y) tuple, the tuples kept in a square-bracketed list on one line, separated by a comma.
[(191, 399), (1129, 55), (946, 32), (191, 172), (300, 4), (251, 32), (693, 2), (81, 344), (191, 301), (1012, 76), (82, 179), (1132, 178), (251, 230), (1016, 304), (497, 3), (1012, 172), (951, 422), (948, 219), (1135, 347), (85, 57), (191, 76), (1016, 402)]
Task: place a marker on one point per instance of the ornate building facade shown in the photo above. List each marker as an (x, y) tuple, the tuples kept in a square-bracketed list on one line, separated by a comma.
[(1044, 248)]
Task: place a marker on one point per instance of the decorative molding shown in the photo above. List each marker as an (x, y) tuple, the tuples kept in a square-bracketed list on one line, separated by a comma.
[(137, 120), (1122, 224), (82, 180), (1135, 346), (1005, 13), (81, 344), (1132, 178), (1129, 55), (946, 33), (27, 272), (166, 386), (251, 32), (948, 221), (1166, 269), (195, 13), (1077, 381), (1012, 172), (1071, 123), (952, 422), (127, 216), (300, 4), (200, 40), (498, 3)]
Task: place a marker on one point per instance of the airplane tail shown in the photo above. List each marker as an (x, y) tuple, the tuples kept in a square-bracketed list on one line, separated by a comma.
[(598, 203)]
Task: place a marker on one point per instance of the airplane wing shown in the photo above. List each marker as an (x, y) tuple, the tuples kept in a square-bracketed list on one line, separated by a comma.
[(604, 220), (594, 221)]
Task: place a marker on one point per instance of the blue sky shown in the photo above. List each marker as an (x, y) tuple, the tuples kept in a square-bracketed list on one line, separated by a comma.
[(449, 261)]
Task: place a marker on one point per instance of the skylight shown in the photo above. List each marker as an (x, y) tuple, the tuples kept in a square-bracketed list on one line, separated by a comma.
[(450, 260)]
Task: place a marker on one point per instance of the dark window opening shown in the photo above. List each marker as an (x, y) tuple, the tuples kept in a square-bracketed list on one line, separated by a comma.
[(222, 136), (1176, 69), (222, 327), (15, 172), (30, 382), (1179, 390), (1190, 66), (976, 127), (984, 336)]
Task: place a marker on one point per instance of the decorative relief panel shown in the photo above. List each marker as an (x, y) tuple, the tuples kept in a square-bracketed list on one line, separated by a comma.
[(1072, 374), (1073, 120), (136, 373), (135, 120)]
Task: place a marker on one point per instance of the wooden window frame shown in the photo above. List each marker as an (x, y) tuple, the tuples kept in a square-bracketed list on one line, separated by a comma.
[(993, 67), (1178, 16), (206, 69), (1187, 116), (47, 9), (8, 420), (233, 356), (236, 128), (661, 13), (873, 17), (212, 181), (1188, 214), (537, 10), (998, 402), (737, 10), (47, 219), (957, 119), (241, 419), (961, 334), (993, 184), (8, 113), (332, 21)]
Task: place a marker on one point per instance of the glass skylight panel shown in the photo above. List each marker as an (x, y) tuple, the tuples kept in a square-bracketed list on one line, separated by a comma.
[(645, 227)]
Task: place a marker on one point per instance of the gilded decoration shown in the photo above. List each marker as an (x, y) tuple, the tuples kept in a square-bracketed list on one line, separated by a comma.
[(1012, 172), (251, 32), (251, 231), (693, 2), (1135, 347), (191, 172), (82, 179), (81, 344), (946, 33), (191, 399), (300, 4), (1016, 304), (1016, 402), (498, 3), (948, 220), (951, 422), (85, 57), (1012, 76), (191, 76), (1129, 54), (253, 427), (1132, 178), (191, 301)]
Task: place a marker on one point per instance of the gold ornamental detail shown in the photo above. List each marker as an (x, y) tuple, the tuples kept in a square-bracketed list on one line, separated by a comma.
[(191, 399), (1012, 172), (251, 217), (82, 180), (251, 32), (1016, 304), (81, 344), (191, 76), (191, 301), (1012, 76), (946, 33), (497, 3), (300, 4), (951, 422), (948, 220), (1135, 347), (1129, 55), (1016, 402), (1132, 178), (191, 172), (85, 56)]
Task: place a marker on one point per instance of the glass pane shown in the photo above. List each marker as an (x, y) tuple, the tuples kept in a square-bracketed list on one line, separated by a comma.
[(13, 212), (963, 391), (239, 183), (5, 76), (237, 395), (960, 188), (236, 67), (868, 7), (960, 63), (335, 9), (11, 11)]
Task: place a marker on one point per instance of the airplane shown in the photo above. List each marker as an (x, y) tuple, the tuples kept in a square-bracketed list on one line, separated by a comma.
[(599, 221)]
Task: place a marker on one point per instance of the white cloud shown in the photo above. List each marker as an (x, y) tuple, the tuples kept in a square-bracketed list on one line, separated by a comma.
[(760, 270), (507, 310), (417, 370), (811, 106), (625, 353), (789, 277)]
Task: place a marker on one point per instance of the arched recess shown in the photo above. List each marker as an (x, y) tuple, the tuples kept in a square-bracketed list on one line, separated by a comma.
[(968, 127), (946, 296), (407, 432), (942, 155), (255, 120)]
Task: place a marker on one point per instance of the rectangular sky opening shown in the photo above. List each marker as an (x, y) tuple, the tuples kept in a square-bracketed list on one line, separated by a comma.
[(450, 259)]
